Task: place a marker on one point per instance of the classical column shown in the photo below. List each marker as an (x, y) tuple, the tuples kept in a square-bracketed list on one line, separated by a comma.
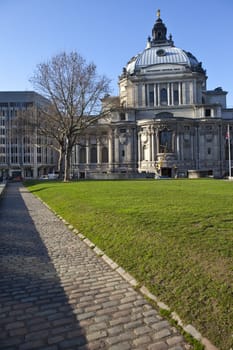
[(168, 94), (149, 144), (180, 93), (110, 153), (129, 147), (178, 146), (143, 95), (139, 148), (152, 144), (98, 150), (135, 151), (77, 150), (87, 151), (172, 94), (158, 92), (116, 142), (155, 95), (156, 141)]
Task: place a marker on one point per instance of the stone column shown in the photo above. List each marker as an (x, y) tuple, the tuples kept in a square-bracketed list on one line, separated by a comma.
[(139, 149), (110, 153), (157, 141), (180, 93), (98, 150), (155, 95), (77, 150), (87, 151), (129, 146), (149, 144), (152, 144), (116, 141), (168, 94), (178, 146), (194, 92), (158, 92), (172, 94)]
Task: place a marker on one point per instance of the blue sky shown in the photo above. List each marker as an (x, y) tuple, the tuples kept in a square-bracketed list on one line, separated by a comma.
[(110, 32)]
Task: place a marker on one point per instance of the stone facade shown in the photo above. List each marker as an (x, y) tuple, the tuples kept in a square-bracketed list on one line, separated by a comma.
[(165, 121)]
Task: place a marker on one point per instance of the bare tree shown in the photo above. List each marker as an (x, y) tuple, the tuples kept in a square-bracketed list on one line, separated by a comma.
[(74, 90)]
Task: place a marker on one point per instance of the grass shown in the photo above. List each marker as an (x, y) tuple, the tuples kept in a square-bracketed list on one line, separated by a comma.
[(175, 237)]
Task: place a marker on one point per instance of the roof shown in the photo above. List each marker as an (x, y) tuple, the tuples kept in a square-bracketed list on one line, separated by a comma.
[(161, 55), (160, 50)]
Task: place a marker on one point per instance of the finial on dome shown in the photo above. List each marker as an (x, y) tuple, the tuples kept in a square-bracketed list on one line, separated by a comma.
[(148, 44), (158, 13)]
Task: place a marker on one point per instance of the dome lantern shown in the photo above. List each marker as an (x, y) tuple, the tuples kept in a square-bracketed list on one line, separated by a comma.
[(159, 32)]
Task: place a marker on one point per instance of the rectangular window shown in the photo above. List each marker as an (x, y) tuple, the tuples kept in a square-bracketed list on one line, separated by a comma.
[(122, 116), (176, 97), (146, 99), (151, 95), (175, 94), (208, 112)]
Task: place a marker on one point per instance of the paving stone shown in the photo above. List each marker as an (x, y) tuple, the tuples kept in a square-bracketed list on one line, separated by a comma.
[(162, 334), (121, 346), (174, 340), (142, 330), (142, 340), (55, 339), (133, 325), (57, 293), (96, 335), (67, 344), (158, 346), (31, 345), (119, 338), (14, 325)]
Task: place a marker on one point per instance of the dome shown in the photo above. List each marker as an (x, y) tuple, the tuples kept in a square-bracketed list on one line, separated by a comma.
[(161, 50), (162, 55)]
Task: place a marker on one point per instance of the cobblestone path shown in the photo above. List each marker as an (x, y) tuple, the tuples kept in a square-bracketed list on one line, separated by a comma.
[(56, 293)]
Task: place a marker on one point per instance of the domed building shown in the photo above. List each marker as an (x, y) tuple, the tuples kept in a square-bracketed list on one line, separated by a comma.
[(164, 123)]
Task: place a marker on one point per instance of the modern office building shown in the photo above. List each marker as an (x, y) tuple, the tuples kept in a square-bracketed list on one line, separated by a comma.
[(23, 153), (165, 121)]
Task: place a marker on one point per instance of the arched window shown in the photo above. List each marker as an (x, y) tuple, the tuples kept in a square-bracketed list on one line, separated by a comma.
[(82, 155), (104, 155), (163, 96), (93, 155)]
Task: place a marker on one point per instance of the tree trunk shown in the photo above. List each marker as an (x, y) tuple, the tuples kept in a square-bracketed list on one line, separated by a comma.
[(68, 153), (60, 166)]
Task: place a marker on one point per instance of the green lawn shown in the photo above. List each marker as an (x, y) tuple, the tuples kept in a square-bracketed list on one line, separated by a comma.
[(175, 237)]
